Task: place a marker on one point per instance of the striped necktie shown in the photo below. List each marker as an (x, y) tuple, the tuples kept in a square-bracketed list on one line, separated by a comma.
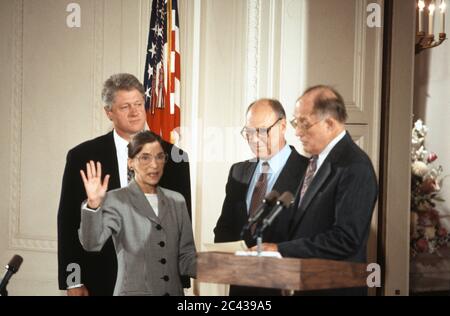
[(312, 166), (259, 192), (130, 174)]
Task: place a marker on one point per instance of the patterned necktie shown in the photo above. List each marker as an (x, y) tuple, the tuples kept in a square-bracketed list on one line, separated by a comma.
[(259, 192), (312, 166), (130, 174)]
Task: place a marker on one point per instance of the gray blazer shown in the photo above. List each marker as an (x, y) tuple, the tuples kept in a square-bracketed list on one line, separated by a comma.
[(152, 251)]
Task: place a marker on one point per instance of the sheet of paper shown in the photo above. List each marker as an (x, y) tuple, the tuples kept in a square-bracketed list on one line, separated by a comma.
[(273, 254), (230, 247)]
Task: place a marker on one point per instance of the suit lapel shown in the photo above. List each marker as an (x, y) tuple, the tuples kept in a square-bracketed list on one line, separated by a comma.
[(141, 204), (110, 161), (163, 204), (247, 176), (319, 181), (289, 174), (316, 184), (249, 170)]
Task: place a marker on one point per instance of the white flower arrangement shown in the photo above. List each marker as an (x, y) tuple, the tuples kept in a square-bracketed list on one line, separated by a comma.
[(427, 233)]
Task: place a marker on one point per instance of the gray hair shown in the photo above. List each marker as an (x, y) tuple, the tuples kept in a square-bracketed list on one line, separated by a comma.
[(274, 104), (123, 81)]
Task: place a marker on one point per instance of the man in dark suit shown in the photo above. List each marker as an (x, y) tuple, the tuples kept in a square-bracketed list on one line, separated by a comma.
[(333, 210), (123, 96), (281, 168)]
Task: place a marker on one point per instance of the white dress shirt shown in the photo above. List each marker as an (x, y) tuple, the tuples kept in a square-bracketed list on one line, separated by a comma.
[(153, 200), (324, 154), (276, 164), (122, 158)]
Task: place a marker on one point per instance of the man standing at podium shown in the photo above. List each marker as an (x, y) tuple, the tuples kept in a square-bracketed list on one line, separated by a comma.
[(276, 166), (331, 216)]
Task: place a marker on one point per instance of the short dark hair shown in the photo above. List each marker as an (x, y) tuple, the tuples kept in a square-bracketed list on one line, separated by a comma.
[(276, 106), (139, 140), (119, 82), (328, 101)]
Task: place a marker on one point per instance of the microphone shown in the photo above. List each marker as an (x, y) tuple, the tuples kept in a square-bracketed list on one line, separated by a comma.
[(268, 201), (11, 268), (284, 201)]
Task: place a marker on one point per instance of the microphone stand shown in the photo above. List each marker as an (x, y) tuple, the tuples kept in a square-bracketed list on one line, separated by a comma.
[(11, 268), (259, 241), (3, 292)]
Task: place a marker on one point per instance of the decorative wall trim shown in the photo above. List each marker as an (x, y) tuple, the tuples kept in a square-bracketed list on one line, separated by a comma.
[(144, 20), (360, 141), (293, 37), (274, 53), (18, 239), (16, 127), (375, 124), (193, 40), (97, 75), (360, 55), (253, 57), (360, 135)]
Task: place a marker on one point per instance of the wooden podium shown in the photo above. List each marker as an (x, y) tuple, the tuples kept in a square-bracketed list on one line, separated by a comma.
[(286, 273)]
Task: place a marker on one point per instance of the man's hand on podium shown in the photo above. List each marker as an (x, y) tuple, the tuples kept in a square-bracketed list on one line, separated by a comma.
[(266, 247), (78, 291)]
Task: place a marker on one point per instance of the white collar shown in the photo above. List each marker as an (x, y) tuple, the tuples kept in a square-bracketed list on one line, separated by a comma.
[(119, 141), (278, 161), (324, 154)]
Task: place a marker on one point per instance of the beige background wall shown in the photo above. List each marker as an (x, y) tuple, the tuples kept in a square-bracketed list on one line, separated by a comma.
[(233, 51)]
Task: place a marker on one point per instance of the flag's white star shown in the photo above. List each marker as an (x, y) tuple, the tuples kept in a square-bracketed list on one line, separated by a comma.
[(153, 50), (147, 93), (155, 29)]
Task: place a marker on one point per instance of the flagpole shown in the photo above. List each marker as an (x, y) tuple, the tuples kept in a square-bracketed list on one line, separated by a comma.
[(169, 46), (169, 57)]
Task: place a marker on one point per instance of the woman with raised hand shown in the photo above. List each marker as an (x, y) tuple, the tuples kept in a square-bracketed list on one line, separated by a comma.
[(150, 225)]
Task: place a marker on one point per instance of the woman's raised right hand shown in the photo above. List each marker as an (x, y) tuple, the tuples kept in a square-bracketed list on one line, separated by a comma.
[(95, 189)]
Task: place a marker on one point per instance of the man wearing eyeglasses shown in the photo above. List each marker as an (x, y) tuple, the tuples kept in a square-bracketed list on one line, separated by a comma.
[(277, 166), (334, 205), (123, 96)]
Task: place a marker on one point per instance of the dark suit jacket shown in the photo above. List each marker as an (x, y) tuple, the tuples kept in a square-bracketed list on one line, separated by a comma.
[(99, 269), (234, 211), (333, 218)]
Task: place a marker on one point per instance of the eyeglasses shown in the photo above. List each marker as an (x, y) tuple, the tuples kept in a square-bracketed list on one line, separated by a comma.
[(304, 126), (146, 159), (248, 132)]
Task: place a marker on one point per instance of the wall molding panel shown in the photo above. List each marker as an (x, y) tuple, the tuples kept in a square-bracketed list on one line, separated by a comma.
[(19, 239), (253, 47)]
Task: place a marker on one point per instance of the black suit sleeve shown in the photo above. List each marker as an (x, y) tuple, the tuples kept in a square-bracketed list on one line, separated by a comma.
[(355, 197), (225, 229), (69, 247), (176, 175)]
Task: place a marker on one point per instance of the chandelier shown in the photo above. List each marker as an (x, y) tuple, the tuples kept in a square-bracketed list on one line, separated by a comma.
[(430, 13)]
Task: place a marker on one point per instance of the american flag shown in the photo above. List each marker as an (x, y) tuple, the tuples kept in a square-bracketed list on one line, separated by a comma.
[(162, 70)]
